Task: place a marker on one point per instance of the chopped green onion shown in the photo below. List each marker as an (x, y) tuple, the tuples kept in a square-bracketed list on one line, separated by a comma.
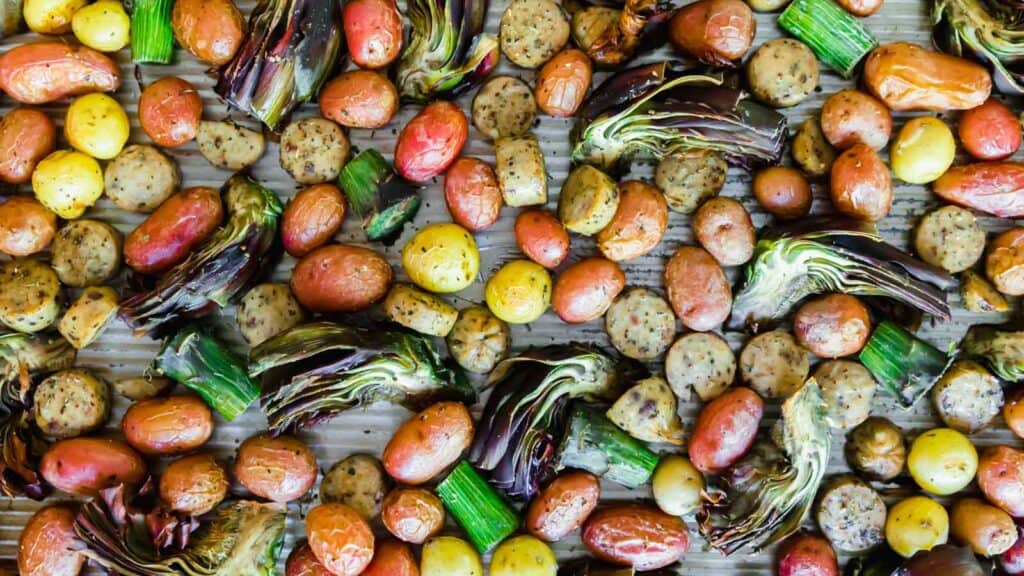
[(839, 39), (205, 365), (152, 35), (905, 366), (595, 444), (477, 507)]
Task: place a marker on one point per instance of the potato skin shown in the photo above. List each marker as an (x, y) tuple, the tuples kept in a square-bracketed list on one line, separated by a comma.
[(905, 76), (340, 278), (563, 505), (302, 562), (832, 326), (783, 192), (716, 32), (992, 187), (642, 537), (541, 236), (1004, 264), (84, 466), (723, 227), (412, 514), (373, 31), (212, 30), (431, 141), (47, 71), (48, 545), (807, 554), (359, 98), (424, 445), (392, 558), (986, 529), (168, 235), (697, 288), (312, 218), (851, 117), (990, 131), (281, 469), (194, 485), (861, 7), (640, 221), (170, 110), (170, 425), (472, 194), (340, 539), (586, 289), (1001, 478), (26, 137), (726, 428), (876, 449), (563, 82), (861, 184), (26, 226)]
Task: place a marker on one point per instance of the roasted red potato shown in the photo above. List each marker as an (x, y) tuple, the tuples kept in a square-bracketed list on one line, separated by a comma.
[(84, 466), (48, 545), (392, 558), (563, 505), (212, 30), (170, 425), (194, 485), (697, 288), (281, 469), (424, 445), (1003, 263), (861, 7), (302, 562), (359, 98), (541, 236), (851, 117), (170, 110), (992, 187), (1013, 411), (412, 514), (168, 235), (373, 30), (639, 224), (986, 529), (26, 226), (1001, 478), (638, 536), (726, 428), (861, 186), (472, 194), (340, 278), (716, 32), (340, 539), (990, 132), (26, 137), (832, 326), (431, 141), (783, 192), (562, 83), (312, 218), (48, 71), (906, 76), (723, 227), (586, 289), (805, 554)]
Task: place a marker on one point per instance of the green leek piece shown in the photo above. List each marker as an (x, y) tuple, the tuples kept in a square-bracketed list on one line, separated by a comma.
[(838, 38), (152, 35), (595, 444), (905, 366), (477, 507)]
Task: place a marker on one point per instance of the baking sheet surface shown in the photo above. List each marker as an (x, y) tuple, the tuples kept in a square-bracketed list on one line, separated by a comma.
[(117, 354)]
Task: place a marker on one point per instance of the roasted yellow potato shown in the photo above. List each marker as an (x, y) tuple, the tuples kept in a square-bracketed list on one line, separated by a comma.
[(86, 317), (68, 182), (915, 524), (677, 485), (102, 26), (523, 556), (419, 311), (942, 461), (96, 125), (441, 258), (923, 150), (447, 556), (51, 16), (519, 292)]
